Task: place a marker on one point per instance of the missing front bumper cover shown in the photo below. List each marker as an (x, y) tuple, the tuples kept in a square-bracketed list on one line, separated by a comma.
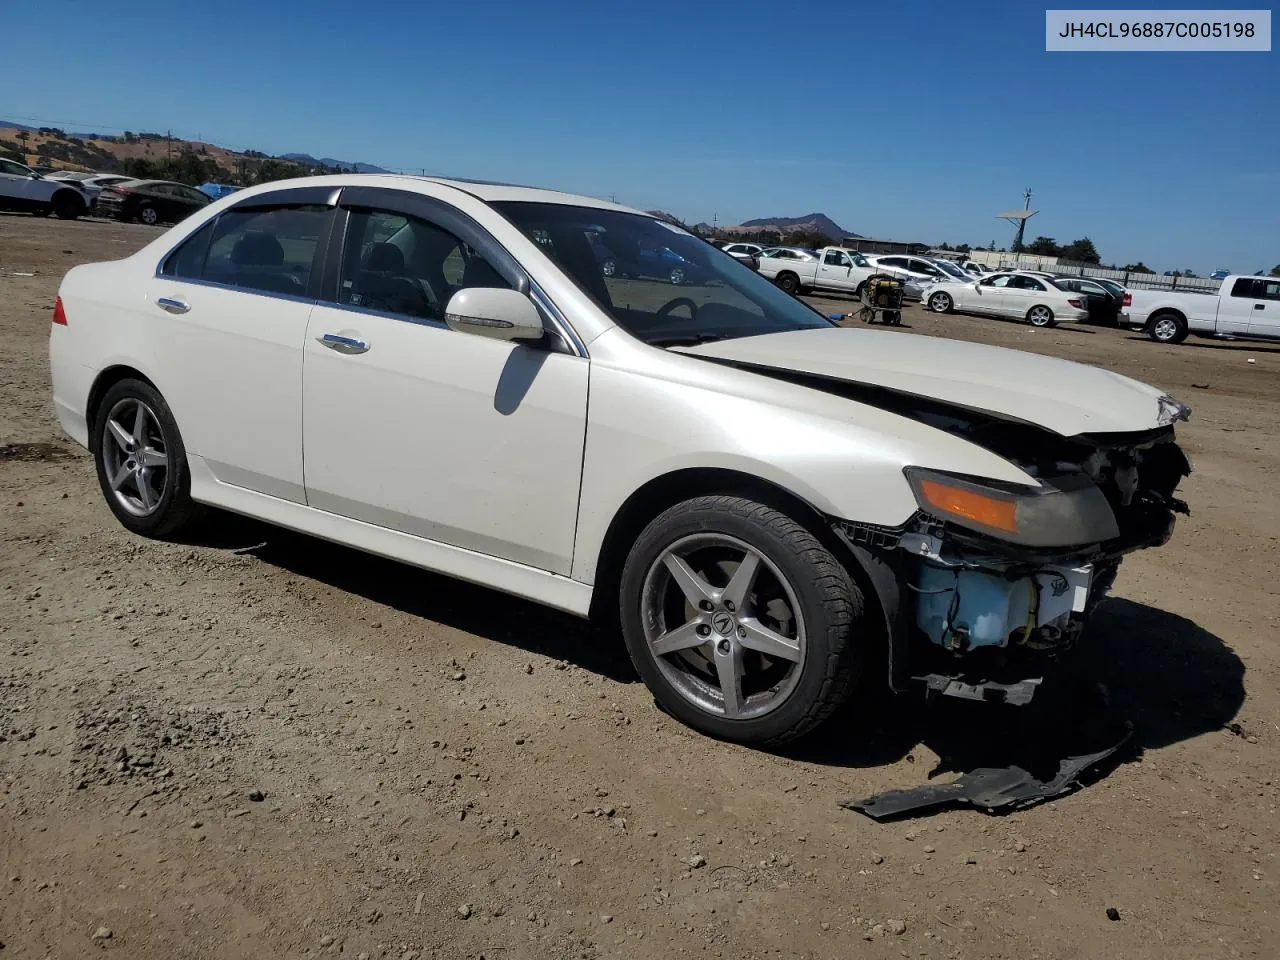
[(993, 789)]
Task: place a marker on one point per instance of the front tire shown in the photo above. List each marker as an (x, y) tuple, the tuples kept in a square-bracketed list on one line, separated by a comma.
[(68, 205), (1041, 316), (740, 621), (141, 461), (1167, 328), (941, 303)]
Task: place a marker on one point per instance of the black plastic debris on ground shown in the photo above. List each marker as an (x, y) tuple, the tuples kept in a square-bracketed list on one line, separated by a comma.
[(993, 789)]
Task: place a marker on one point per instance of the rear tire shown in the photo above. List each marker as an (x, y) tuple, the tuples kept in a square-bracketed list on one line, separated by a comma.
[(1167, 328), (789, 282), (1041, 316), (147, 214), (797, 592), (141, 461)]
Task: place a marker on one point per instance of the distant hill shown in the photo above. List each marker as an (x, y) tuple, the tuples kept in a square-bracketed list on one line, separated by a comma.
[(107, 153), (812, 223), (309, 161)]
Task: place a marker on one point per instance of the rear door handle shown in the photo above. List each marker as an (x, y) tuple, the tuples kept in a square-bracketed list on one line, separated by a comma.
[(1259, 306), (173, 304), (348, 345)]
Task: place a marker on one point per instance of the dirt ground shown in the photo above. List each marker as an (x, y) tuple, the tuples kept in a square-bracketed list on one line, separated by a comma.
[(260, 745)]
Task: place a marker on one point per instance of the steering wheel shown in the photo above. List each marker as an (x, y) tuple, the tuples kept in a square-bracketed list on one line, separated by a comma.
[(679, 302)]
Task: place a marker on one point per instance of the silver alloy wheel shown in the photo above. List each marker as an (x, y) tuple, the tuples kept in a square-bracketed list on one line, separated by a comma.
[(1040, 316), (677, 275), (940, 303), (148, 216), (133, 457), (724, 626), (1165, 329), (610, 267)]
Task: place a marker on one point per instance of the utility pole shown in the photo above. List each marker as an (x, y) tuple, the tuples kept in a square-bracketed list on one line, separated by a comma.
[(1020, 218), (168, 144)]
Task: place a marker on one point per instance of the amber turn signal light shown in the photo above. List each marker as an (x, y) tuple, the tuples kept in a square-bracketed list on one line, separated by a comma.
[(970, 505)]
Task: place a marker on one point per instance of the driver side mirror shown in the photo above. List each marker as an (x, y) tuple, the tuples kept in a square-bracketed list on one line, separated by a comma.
[(494, 312)]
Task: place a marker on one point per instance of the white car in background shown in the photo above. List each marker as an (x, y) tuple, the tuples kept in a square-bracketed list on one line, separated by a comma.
[(768, 504), (90, 184), (22, 189), (743, 251), (1023, 296), (917, 272)]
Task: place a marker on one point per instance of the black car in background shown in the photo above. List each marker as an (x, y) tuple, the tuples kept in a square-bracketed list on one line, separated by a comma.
[(150, 201), (1105, 298)]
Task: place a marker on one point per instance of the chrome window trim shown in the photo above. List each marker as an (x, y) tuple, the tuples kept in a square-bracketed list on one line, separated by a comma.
[(260, 200), (271, 294), (563, 327)]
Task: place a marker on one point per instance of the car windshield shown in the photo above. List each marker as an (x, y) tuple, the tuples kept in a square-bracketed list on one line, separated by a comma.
[(946, 266), (657, 281)]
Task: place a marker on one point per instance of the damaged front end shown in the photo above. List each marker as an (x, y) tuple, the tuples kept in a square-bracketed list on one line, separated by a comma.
[(988, 582)]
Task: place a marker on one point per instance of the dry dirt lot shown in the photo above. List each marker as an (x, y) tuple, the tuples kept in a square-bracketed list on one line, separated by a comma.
[(260, 745)]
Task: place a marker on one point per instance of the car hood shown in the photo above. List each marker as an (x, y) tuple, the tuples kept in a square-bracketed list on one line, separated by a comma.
[(1059, 395)]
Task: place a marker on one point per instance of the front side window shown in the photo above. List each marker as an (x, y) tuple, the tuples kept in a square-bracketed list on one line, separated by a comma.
[(271, 250), (14, 169), (400, 264), (689, 292), (835, 258)]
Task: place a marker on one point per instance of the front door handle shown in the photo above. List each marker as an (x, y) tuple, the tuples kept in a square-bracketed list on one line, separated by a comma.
[(1259, 306), (173, 304), (348, 345)]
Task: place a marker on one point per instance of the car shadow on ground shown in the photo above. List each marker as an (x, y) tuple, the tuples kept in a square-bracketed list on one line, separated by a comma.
[(1205, 343), (1168, 677), (478, 610)]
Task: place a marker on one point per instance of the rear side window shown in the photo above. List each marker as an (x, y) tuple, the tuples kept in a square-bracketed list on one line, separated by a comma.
[(187, 262), (270, 250), (1247, 287)]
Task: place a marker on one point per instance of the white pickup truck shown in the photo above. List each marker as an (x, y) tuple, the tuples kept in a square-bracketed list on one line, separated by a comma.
[(835, 269), (21, 188), (1242, 307)]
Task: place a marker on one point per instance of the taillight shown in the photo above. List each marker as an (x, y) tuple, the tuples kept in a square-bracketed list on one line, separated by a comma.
[(1128, 299), (1074, 301), (59, 313)]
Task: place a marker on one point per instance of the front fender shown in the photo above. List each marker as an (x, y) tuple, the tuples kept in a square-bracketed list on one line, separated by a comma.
[(659, 413)]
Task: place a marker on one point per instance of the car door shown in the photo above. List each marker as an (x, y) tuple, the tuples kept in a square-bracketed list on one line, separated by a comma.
[(989, 295), (1264, 317), (16, 182), (1236, 308), (834, 271), (1021, 294), (409, 425), (229, 309)]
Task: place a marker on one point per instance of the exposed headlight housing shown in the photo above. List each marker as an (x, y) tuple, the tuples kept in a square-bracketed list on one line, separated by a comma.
[(1068, 513), (1169, 411)]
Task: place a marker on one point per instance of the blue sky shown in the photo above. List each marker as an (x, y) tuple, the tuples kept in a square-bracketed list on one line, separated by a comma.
[(917, 121)]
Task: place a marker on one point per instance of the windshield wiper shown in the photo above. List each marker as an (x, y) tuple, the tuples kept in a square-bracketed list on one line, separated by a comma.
[(684, 339)]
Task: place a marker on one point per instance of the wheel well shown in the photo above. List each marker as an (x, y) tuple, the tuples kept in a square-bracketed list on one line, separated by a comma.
[(1167, 312), (668, 490), (67, 192), (788, 273), (107, 379)]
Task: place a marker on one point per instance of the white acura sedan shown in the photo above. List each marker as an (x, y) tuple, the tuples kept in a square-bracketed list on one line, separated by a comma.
[(1021, 296), (775, 509)]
